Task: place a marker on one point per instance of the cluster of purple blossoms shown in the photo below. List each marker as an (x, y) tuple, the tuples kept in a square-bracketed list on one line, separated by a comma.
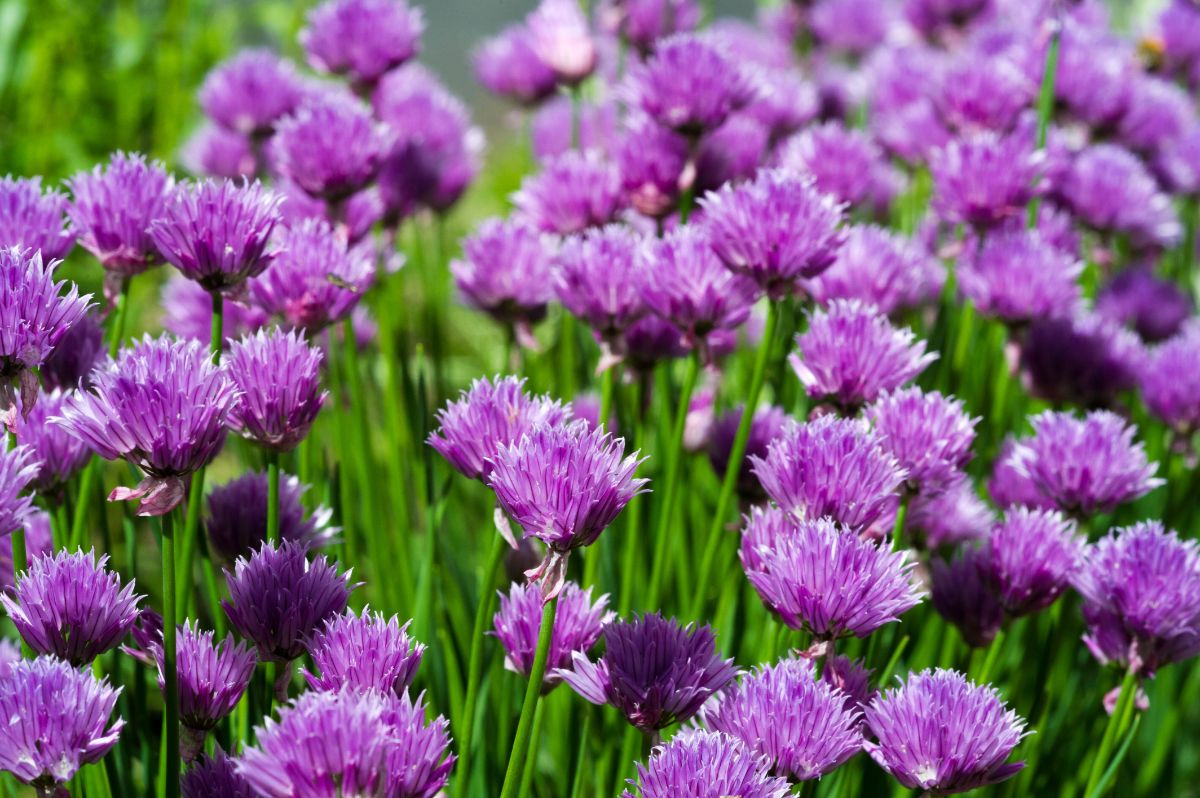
[(929, 434), (557, 128), (706, 764), (1030, 558), (578, 624), (33, 219), (979, 93), (843, 162), (1019, 276), (879, 267), (984, 179), (1169, 380), (364, 652), (506, 272), (251, 92), (237, 517), (574, 191), (507, 65), (59, 455), (595, 278), (278, 379), (362, 39)]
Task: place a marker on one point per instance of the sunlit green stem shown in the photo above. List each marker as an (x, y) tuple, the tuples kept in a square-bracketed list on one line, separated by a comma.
[(273, 496), (533, 692), (170, 764)]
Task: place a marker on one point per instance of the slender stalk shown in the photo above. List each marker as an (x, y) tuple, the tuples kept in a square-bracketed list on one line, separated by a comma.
[(577, 778), (608, 387), (191, 536), (273, 496), (531, 757), (62, 527), (216, 335), (20, 561), (533, 692), (483, 611), (1118, 721), (1045, 107), (576, 117), (901, 516), (734, 465), (993, 654), (170, 763)]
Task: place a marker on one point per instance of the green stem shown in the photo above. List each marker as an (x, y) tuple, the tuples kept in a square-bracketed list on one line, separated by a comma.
[(686, 200), (1118, 721), (273, 496), (20, 560), (533, 691), (531, 756), (170, 764), (993, 654), (191, 535), (62, 530), (733, 466), (218, 326), (1045, 108), (576, 117), (577, 778), (901, 516), (608, 387)]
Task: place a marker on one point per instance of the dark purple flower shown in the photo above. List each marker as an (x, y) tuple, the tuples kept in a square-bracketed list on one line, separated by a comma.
[(1141, 597), (278, 378), (162, 406), (578, 624), (954, 515), (653, 164), (237, 516), (71, 361), (278, 598), (653, 670), (57, 722), (71, 606), (940, 733), (960, 594), (31, 219), (362, 39), (364, 652), (980, 93), (879, 267), (851, 354), (250, 92), (851, 26), (931, 17), (1030, 557), (418, 765), (1111, 190), (187, 313), (508, 66), (1018, 276), (1086, 359), (731, 153), (783, 712), (1156, 308), (559, 34), (215, 776), (814, 575), (929, 434), (767, 424), (651, 340), (1085, 465), (707, 765), (39, 542), (573, 192), (595, 278), (217, 232), (59, 455), (642, 23), (1170, 380), (492, 414), (984, 179), (215, 151), (852, 678), (506, 272), (841, 160)]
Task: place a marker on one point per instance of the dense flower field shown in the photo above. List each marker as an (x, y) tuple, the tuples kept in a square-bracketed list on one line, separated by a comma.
[(817, 418)]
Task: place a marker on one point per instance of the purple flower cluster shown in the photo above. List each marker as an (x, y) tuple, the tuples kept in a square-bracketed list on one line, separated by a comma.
[(706, 764), (362, 39), (929, 434), (578, 624), (32, 219), (364, 652), (278, 378)]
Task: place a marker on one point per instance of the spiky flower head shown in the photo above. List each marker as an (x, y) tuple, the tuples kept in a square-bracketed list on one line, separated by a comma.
[(187, 313), (655, 671), (418, 763), (1030, 557), (33, 219), (852, 678), (578, 624), (1141, 597), (58, 454), (39, 542), (842, 161), (777, 229), (251, 92), (212, 677), (1085, 465), (798, 722), (882, 268), (362, 39), (705, 765), (1171, 383), (35, 315), (653, 162), (851, 354), (830, 467), (71, 606), (929, 434), (595, 278), (215, 775), (1085, 359), (765, 427), (217, 232), (1154, 307), (364, 652), (574, 191), (162, 405), (979, 93), (278, 598), (1018, 276), (70, 363), (815, 576), (237, 516), (564, 484), (505, 272), (278, 377), (688, 84), (57, 721), (943, 734), (984, 179), (507, 65), (961, 595), (558, 31), (1110, 190)]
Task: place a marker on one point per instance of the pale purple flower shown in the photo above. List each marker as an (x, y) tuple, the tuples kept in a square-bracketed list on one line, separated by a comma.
[(1086, 359), (1018, 276), (508, 66), (358, 215), (212, 678), (984, 179), (595, 279), (1170, 380), (979, 93), (418, 763), (940, 733), (960, 594), (278, 378), (187, 313), (573, 192), (237, 516), (58, 454), (655, 671), (653, 163), (851, 26), (1158, 111), (215, 776), (1154, 307), (767, 424), (578, 624), (33, 219), (1177, 162), (1112, 191), (1095, 70), (929, 434), (506, 272), (251, 92), (708, 765), (331, 146), (841, 160), (954, 515), (1030, 557), (362, 39), (364, 652), (879, 267), (785, 100), (559, 34), (215, 151)]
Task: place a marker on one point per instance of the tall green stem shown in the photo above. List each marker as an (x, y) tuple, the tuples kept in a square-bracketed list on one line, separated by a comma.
[(1045, 108), (20, 561), (901, 516), (170, 762), (273, 496), (533, 692), (1118, 722)]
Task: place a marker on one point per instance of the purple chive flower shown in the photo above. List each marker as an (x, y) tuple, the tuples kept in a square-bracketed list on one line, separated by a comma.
[(984, 179), (112, 210), (642, 23), (594, 276), (705, 764), (59, 455), (214, 151), (557, 127), (506, 272), (71, 361), (731, 153), (217, 232), (829, 581), (1170, 381), (830, 467), (941, 733), (1095, 70), (577, 626), (1018, 276), (215, 776), (776, 229), (316, 279), (784, 101), (251, 92), (653, 670), (507, 65), (851, 26), (278, 378), (19, 467), (930, 17), (1154, 307), (559, 34), (564, 484), (161, 405), (960, 594), (851, 354), (31, 219), (1157, 112), (39, 542), (1141, 597), (879, 267), (364, 652), (278, 598), (1030, 557), (331, 146), (954, 515), (653, 164), (1009, 486), (573, 192), (1112, 191), (1177, 162), (187, 313), (35, 315), (783, 712), (362, 39), (1086, 359), (360, 213), (71, 606), (689, 85), (852, 678), (766, 426), (984, 93), (684, 282), (929, 434), (1085, 465), (237, 516), (57, 722), (841, 160), (418, 765), (651, 340), (492, 414)]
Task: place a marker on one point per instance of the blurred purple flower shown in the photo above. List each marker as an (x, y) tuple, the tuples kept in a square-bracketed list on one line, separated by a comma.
[(362, 39), (573, 192), (931, 17), (1156, 308), (363, 652), (1177, 162), (1095, 69), (705, 764), (506, 272), (1112, 191), (980, 93), (653, 162), (212, 776), (953, 516), (1010, 487), (854, 27), (251, 92), (237, 516), (1017, 276), (33, 219), (1158, 111), (578, 624), (642, 23), (879, 267), (595, 279), (1086, 359), (559, 34), (1030, 557), (767, 424), (507, 65), (187, 313), (841, 160), (39, 542), (559, 127), (984, 179), (71, 361), (215, 151), (1170, 381)]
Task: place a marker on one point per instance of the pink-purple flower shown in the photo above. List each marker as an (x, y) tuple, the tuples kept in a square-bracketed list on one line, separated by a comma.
[(33, 219), (278, 378), (364, 652), (578, 624), (362, 39)]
